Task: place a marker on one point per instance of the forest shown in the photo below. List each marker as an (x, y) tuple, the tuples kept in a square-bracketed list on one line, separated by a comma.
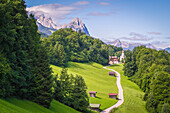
[(25, 71), (67, 45), (150, 69)]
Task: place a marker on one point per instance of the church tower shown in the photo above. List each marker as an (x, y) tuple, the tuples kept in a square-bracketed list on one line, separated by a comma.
[(122, 57)]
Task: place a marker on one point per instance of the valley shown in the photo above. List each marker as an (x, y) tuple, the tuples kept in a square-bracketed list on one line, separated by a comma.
[(97, 79)]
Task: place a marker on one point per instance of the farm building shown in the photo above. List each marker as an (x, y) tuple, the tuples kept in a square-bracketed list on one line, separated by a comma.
[(113, 95), (112, 73), (113, 60), (94, 107), (92, 93)]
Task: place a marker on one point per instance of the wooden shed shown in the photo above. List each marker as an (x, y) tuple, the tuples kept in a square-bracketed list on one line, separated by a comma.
[(112, 73), (113, 95), (94, 107), (92, 93)]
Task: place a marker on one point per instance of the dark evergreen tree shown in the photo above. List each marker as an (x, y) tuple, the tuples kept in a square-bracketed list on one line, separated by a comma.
[(45, 80), (79, 95), (5, 85)]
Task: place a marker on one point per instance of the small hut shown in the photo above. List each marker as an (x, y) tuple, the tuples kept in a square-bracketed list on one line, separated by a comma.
[(92, 93), (113, 95), (112, 73), (94, 107)]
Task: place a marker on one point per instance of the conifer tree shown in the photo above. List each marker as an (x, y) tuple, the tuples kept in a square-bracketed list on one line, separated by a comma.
[(79, 95)]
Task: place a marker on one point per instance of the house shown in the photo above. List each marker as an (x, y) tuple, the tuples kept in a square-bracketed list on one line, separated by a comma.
[(94, 107), (113, 60), (92, 93), (113, 95), (122, 57), (112, 73)]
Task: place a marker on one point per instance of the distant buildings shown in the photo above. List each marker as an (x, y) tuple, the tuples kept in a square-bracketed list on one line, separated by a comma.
[(115, 60), (113, 95), (112, 73), (92, 93), (94, 107)]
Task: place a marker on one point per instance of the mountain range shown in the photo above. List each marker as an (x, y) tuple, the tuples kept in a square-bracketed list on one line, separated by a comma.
[(47, 26), (130, 46)]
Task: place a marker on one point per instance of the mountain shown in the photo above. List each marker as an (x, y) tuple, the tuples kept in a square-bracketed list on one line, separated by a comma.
[(47, 26), (46, 22), (130, 46), (168, 49), (76, 24)]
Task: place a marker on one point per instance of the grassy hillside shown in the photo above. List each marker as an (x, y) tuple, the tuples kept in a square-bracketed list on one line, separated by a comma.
[(132, 94), (96, 78), (24, 106)]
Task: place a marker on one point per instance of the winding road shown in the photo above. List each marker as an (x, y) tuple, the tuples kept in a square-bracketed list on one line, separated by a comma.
[(121, 99)]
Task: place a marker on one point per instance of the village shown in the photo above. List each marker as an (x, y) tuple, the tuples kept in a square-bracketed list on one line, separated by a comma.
[(112, 60)]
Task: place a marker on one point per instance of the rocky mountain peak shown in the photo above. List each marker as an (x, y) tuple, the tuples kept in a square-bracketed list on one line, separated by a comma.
[(76, 21)]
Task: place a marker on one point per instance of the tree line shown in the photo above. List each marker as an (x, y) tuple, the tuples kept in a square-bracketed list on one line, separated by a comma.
[(150, 69), (67, 45)]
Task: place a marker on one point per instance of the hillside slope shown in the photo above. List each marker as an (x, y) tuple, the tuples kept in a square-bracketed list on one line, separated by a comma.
[(96, 78), (24, 106), (133, 102)]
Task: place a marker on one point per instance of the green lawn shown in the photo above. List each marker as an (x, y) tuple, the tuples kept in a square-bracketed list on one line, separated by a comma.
[(132, 94), (97, 79), (24, 106)]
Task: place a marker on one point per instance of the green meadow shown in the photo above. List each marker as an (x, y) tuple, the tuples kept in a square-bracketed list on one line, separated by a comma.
[(133, 102), (14, 105), (96, 78)]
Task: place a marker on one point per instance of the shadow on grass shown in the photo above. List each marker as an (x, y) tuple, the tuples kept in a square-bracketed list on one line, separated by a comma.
[(114, 65), (71, 64), (98, 97)]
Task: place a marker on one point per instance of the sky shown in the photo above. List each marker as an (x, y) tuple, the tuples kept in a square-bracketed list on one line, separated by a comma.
[(134, 21)]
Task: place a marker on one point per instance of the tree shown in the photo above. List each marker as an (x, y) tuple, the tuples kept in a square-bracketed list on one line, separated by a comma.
[(79, 95), (165, 108), (5, 85)]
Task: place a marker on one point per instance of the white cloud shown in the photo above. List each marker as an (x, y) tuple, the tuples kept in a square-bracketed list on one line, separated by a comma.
[(99, 14), (81, 3), (154, 33), (137, 37), (55, 11), (104, 3)]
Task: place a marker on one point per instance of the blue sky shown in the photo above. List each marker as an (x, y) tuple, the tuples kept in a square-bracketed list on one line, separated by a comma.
[(142, 21)]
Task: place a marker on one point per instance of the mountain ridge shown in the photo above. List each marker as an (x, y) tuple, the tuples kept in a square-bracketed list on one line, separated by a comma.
[(130, 46), (47, 26)]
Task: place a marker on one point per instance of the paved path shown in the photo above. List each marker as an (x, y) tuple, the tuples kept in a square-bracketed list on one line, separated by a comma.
[(121, 99)]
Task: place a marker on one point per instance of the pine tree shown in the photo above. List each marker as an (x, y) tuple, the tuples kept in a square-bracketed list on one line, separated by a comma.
[(79, 95), (5, 85)]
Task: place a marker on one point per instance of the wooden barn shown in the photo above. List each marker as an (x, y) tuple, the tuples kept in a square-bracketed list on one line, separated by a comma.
[(94, 107), (92, 93), (113, 95), (112, 73)]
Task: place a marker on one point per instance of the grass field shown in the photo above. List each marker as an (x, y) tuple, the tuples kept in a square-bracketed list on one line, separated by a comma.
[(97, 79), (132, 94), (24, 106)]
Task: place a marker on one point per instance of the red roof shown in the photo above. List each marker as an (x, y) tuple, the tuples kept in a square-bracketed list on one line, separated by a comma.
[(112, 73), (110, 94), (92, 92)]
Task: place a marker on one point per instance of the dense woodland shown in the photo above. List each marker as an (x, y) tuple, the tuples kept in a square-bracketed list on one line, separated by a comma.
[(25, 71), (67, 45), (150, 69)]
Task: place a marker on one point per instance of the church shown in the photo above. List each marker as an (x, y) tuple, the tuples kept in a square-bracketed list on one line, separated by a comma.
[(122, 57), (115, 60)]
